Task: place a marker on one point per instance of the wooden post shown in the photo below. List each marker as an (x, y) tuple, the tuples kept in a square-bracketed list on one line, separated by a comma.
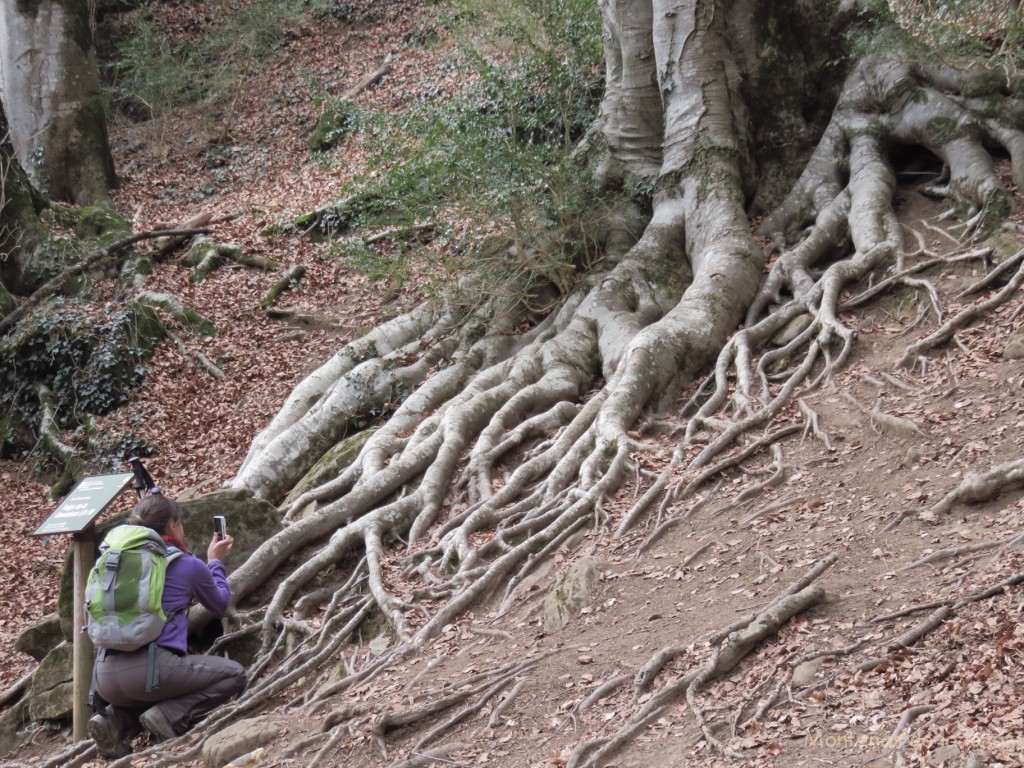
[(84, 555), (76, 515)]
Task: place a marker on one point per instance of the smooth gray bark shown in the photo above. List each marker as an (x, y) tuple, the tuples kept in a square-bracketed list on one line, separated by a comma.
[(50, 84)]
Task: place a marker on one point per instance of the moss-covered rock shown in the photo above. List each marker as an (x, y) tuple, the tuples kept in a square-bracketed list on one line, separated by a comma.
[(336, 123), (11, 723), (1003, 244), (50, 697), (1014, 349), (99, 221), (251, 521), (54, 704), (332, 464), (238, 739), (88, 361)]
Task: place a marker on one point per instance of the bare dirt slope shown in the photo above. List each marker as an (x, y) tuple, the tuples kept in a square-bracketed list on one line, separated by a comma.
[(839, 684)]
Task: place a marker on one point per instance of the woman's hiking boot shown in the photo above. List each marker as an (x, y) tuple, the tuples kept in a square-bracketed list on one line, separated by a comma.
[(155, 721), (112, 733)]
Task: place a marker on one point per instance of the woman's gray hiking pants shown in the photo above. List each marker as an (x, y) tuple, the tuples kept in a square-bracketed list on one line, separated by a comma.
[(187, 687)]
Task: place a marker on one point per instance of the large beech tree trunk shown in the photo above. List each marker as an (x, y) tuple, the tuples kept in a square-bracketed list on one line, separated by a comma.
[(50, 84)]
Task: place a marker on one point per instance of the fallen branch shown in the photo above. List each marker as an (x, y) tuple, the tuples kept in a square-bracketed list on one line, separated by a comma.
[(201, 360), (368, 80), (286, 282), (54, 284), (168, 241), (396, 232)]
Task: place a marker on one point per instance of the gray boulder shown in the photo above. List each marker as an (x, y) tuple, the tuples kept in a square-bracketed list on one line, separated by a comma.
[(40, 638)]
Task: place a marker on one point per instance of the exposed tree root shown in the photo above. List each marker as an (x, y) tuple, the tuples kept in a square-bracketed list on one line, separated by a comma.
[(430, 757), (909, 715), (493, 394), (505, 445), (955, 602), (15, 691), (947, 553), (916, 632), (885, 422), (768, 509), (201, 360), (737, 644), (964, 318), (77, 754), (785, 683), (974, 489), (165, 244), (207, 256), (470, 695)]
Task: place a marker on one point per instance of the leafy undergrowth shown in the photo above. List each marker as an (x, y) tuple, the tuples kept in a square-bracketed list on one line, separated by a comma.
[(842, 690)]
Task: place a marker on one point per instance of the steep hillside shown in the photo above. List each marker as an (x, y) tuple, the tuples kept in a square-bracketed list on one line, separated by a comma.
[(914, 654)]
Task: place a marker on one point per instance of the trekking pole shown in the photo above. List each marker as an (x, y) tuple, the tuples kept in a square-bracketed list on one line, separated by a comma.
[(143, 480)]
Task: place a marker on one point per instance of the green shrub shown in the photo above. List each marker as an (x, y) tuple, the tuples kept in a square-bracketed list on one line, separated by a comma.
[(968, 27), (496, 159), (150, 75)]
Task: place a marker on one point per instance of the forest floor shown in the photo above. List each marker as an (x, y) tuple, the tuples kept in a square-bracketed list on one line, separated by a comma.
[(950, 697)]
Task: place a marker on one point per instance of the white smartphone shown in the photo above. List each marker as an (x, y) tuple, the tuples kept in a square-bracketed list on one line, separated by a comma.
[(220, 526)]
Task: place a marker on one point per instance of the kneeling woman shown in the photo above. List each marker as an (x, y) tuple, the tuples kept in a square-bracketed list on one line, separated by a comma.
[(188, 685)]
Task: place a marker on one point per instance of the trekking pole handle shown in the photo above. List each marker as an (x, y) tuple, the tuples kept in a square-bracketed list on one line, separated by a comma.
[(143, 480)]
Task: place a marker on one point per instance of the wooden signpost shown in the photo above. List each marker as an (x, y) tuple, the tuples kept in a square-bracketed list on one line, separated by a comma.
[(76, 515)]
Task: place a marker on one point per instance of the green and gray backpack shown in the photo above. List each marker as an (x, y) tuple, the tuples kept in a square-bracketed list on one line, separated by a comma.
[(125, 587)]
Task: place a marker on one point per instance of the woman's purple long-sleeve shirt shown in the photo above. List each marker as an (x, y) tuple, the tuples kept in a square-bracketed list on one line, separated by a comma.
[(189, 577)]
